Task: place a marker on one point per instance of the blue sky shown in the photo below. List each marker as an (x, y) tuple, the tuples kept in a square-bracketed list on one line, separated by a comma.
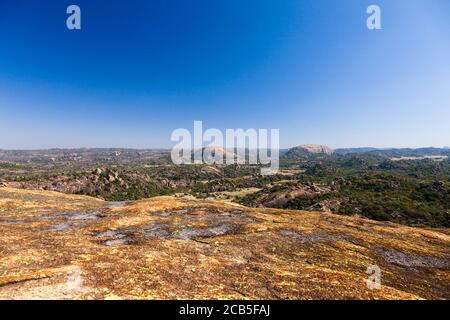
[(139, 69)]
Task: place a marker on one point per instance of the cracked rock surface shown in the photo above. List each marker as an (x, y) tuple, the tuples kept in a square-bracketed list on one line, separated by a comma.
[(58, 246)]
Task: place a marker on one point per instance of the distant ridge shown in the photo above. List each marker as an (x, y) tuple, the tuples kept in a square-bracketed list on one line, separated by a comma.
[(160, 156), (355, 150), (395, 152)]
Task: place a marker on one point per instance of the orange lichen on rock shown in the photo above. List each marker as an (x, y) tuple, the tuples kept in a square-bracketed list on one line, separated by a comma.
[(57, 246)]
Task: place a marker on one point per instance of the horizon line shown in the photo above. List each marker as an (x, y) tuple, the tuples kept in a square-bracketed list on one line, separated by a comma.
[(168, 149)]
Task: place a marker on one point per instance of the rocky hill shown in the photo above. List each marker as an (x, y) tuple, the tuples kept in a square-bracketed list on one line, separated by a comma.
[(306, 150), (58, 246)]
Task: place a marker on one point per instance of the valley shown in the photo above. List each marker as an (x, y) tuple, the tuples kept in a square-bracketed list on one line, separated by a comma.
[(364, 182), (128, 224)]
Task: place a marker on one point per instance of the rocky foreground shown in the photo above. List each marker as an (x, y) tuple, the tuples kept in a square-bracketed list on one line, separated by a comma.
[(58, 246)]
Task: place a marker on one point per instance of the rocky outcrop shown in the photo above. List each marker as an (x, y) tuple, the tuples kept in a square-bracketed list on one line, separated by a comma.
[(58, 246), (307, 150), (278, 196)]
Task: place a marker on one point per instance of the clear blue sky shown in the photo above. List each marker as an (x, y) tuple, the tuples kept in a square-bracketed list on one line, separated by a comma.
[(139, 69)]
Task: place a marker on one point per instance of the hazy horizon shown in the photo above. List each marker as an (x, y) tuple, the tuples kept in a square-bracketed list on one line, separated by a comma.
[(168, 149)]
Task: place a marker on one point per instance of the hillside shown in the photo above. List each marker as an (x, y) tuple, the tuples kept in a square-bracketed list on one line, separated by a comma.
[(58, 246), (306, 150), (408, 189)]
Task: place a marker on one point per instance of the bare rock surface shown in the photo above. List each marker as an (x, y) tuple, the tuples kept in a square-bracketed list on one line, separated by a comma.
[(58, 246)]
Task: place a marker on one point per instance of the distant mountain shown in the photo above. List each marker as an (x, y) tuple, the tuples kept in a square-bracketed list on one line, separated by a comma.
[(395, 152), (354, 150), (306, 150), (122, 156)]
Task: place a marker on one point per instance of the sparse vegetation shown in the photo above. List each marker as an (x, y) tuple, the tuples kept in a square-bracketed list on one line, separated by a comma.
[(369, 183)]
